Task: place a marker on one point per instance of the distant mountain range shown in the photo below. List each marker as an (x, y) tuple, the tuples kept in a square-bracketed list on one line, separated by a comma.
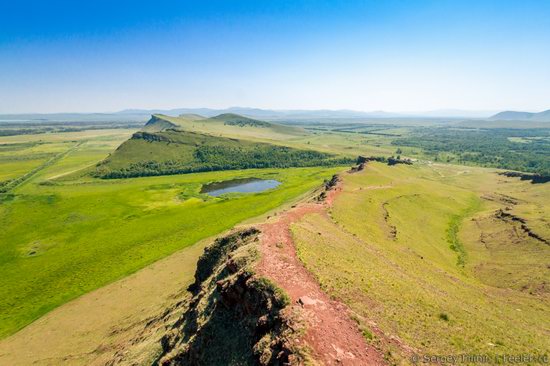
[(282, 114), (142, 115), (266, 113), (522, 116)]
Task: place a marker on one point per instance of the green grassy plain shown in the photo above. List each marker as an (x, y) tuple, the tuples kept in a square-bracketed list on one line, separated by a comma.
[(22, 153), (418, 254), (63, 237)]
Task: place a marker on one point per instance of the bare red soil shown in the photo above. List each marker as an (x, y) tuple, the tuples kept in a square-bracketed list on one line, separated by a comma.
[(330, 333)]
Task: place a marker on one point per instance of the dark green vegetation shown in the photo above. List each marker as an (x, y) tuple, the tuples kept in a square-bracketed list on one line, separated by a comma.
[(234, 317), (232, 119), (171, 151), (519, 149), (515, 149)]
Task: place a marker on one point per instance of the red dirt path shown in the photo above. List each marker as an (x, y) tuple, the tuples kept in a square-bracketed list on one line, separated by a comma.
[(330, 333)]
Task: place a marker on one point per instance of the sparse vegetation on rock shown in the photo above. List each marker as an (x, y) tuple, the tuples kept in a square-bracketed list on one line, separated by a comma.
[(234, 316)]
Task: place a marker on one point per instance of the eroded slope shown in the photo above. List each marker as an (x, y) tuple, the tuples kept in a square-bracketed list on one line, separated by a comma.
[(421, 256)]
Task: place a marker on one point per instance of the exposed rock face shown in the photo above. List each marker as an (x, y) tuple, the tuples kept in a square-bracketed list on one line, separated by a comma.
[(361, 162), (332, 182), (150, 137), (327, 186), (508, 217), (234, 316), (357, 168)]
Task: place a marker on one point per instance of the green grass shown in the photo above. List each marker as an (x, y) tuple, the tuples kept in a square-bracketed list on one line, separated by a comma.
[(13, 168), (410, 285), (21, 154), (86, 234), (454, 228)]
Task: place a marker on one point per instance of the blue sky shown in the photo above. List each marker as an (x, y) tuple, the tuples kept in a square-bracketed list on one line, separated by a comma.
[(96, 56)]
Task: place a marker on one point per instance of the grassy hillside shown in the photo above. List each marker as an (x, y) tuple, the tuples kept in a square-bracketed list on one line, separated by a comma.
[(229, 125), (423, 253), (177, 152)]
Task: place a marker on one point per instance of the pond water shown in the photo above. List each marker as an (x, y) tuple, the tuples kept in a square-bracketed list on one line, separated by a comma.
[(246, 185)]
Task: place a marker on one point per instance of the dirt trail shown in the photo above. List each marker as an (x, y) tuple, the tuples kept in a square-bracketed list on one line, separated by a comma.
[(333, 337)]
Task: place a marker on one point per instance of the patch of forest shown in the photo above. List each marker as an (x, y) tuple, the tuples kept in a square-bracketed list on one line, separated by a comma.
[(524, 150)]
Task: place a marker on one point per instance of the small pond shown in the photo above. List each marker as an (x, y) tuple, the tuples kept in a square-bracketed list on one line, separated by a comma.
[(246, 185)]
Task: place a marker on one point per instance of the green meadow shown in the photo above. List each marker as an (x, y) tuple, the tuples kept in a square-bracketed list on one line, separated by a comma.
[(63, 235)]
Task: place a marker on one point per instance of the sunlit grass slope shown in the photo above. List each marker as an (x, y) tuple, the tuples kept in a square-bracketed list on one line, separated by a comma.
[(180, 152), (419, 253)]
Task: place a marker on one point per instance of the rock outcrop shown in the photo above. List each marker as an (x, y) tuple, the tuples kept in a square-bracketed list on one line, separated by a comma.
[(328, 186), (234, 316), (534, 178)]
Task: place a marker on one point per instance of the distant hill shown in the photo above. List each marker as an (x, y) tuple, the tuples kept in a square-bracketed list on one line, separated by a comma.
[(179, 152), (192, 143), (191, 116), (73, 117), (306, 114), (158, 123), (542, 116), (161, 122), (233, 119), (226, 124), (522, 116), (254, 113), (269, 114)]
